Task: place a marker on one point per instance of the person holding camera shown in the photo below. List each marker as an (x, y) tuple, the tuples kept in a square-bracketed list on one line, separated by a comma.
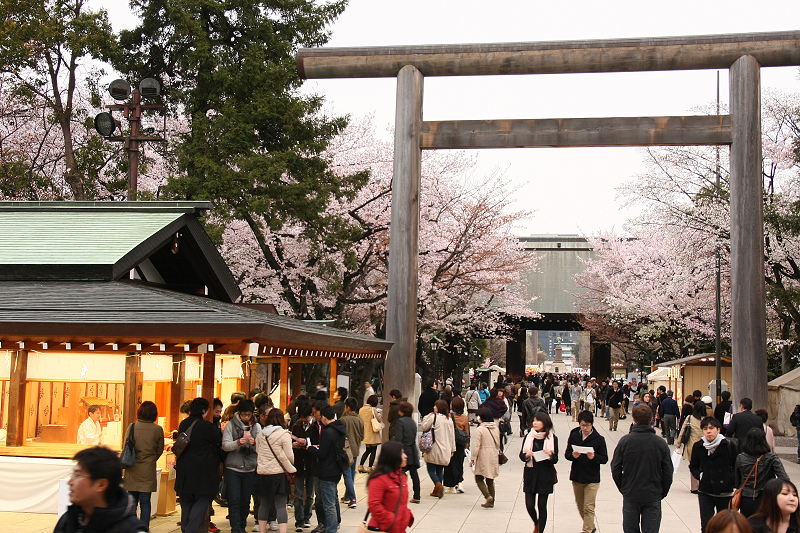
[(238, 440)]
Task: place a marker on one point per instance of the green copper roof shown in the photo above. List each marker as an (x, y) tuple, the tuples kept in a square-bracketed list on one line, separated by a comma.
[(75, 237)]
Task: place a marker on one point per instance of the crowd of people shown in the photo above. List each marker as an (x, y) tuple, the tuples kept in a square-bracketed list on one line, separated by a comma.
[(254, 452)]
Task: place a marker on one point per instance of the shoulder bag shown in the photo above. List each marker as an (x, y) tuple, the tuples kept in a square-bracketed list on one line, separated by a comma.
[(736, 500), (687, 431), (726, 420), (291, 477), (183, 440), (501, 457), (376, 425), (427, 438), (362, 528), (128, 455), (462, 438)]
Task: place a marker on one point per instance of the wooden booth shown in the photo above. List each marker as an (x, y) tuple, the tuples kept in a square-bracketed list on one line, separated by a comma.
[(112, 304), (692, 373)]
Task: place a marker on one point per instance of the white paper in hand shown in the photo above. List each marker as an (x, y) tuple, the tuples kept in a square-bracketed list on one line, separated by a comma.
[(540, 456), (676, 460)]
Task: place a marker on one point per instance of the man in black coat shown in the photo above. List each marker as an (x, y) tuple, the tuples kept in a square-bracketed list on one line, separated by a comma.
[(669, 413), (585, 471), (713, 462), (197, 469), (99, 503), (328, 470), (427, 399), (642, 470), (743, 422)]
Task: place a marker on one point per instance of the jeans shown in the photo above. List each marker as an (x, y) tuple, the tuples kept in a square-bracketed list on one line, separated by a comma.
[(709, 506), (143, 499), (193, 511), (303, 499), (669, 428), (585, 496), (436, 472), (412, 471), (240, 488), (330, 505), (349, 486), (648, 513)]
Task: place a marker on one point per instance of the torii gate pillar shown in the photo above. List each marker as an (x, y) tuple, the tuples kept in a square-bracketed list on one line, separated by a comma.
[(401, 316), (748, 312)]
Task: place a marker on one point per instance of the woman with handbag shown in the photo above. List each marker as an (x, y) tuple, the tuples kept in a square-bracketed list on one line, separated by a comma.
[(691, 432), (140, 479), (406, 435), (388, 492), (779, 509), (444, 444), (454, 471), (372, 433), (539, 476), (754, 467), (485, 453), (275, 469)]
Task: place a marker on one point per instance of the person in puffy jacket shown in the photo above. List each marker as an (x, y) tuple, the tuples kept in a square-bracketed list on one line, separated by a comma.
[(585, 470), (712, 463), (444, 445), (407, 436), (751, 478), (328, 471), (496, 403), (275, 460), (98, 503), (388, 491), (239, 439)]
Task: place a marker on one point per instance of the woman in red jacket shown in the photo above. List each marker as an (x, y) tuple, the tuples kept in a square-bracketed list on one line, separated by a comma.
[(388, 491)]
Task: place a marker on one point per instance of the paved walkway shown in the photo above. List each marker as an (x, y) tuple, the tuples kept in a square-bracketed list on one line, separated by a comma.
[(462, 513)]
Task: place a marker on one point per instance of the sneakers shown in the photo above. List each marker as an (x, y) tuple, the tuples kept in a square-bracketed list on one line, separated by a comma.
[(319, 529), (459, 490), (306, 525), (352, 504), (273, 525), (212, 527), (298, 528), (256, 529)]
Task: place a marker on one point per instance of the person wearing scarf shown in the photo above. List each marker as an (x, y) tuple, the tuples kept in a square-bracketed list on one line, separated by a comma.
[(539, 477), (713, 461)]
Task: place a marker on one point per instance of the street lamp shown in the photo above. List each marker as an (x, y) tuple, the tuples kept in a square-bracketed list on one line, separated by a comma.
[(435, 343), (106, 124)]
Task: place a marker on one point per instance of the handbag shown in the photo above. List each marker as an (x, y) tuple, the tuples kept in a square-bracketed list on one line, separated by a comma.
[(183, 440), (501, 457), (291, 477), (687, 431), (376, 425), (462, 437), (128, 455), (362, 528), (736, 500), (427, 438), (726, 420)]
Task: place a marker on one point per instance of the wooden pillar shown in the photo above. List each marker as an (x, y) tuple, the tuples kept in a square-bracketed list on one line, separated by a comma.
[(401, 314), (209, 360), (334, 381), (283, 386), (176, 390), (132, 395), (297, 379), (748, 307), (16, 398)]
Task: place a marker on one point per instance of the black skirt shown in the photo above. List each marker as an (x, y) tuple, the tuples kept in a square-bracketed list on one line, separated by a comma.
[(271, 484)]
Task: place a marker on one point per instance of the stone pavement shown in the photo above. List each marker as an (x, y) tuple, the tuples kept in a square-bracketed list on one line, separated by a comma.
[(462, 513)]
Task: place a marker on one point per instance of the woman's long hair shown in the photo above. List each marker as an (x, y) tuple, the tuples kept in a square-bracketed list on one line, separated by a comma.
[(389, 460), (545, 419), (769, 502), (699, 411), (755, 442)]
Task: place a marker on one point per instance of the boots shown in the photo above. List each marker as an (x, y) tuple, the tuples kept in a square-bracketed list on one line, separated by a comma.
[(536, 529), (438, 490)]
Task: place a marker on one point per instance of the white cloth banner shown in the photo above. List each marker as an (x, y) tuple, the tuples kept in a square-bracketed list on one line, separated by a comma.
[(30, 485)]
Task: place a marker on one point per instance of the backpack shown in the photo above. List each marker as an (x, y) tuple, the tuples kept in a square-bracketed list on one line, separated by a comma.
[(343, 458), (795, 417), (462, 438)]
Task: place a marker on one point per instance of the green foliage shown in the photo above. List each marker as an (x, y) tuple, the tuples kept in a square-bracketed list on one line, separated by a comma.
[(254, 143)]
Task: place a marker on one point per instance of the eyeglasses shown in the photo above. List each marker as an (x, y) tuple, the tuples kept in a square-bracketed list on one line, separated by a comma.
[(75, 475)]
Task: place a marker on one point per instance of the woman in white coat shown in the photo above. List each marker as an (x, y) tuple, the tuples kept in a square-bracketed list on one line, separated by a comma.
[(444, 445)]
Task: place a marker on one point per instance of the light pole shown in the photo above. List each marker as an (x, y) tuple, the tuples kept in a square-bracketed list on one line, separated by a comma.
[(105, 123)]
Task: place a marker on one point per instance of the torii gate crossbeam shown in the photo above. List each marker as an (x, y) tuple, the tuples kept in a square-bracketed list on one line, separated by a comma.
[(742, 54)]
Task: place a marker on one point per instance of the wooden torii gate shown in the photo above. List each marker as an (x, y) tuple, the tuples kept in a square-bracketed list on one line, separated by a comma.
[(742, 54)]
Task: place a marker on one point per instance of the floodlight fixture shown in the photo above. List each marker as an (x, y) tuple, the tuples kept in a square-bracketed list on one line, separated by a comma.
[(119, 89), (105, 124), (149, 88)]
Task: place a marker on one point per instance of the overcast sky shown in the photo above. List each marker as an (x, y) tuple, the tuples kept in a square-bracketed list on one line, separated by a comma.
[(571, 190)]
